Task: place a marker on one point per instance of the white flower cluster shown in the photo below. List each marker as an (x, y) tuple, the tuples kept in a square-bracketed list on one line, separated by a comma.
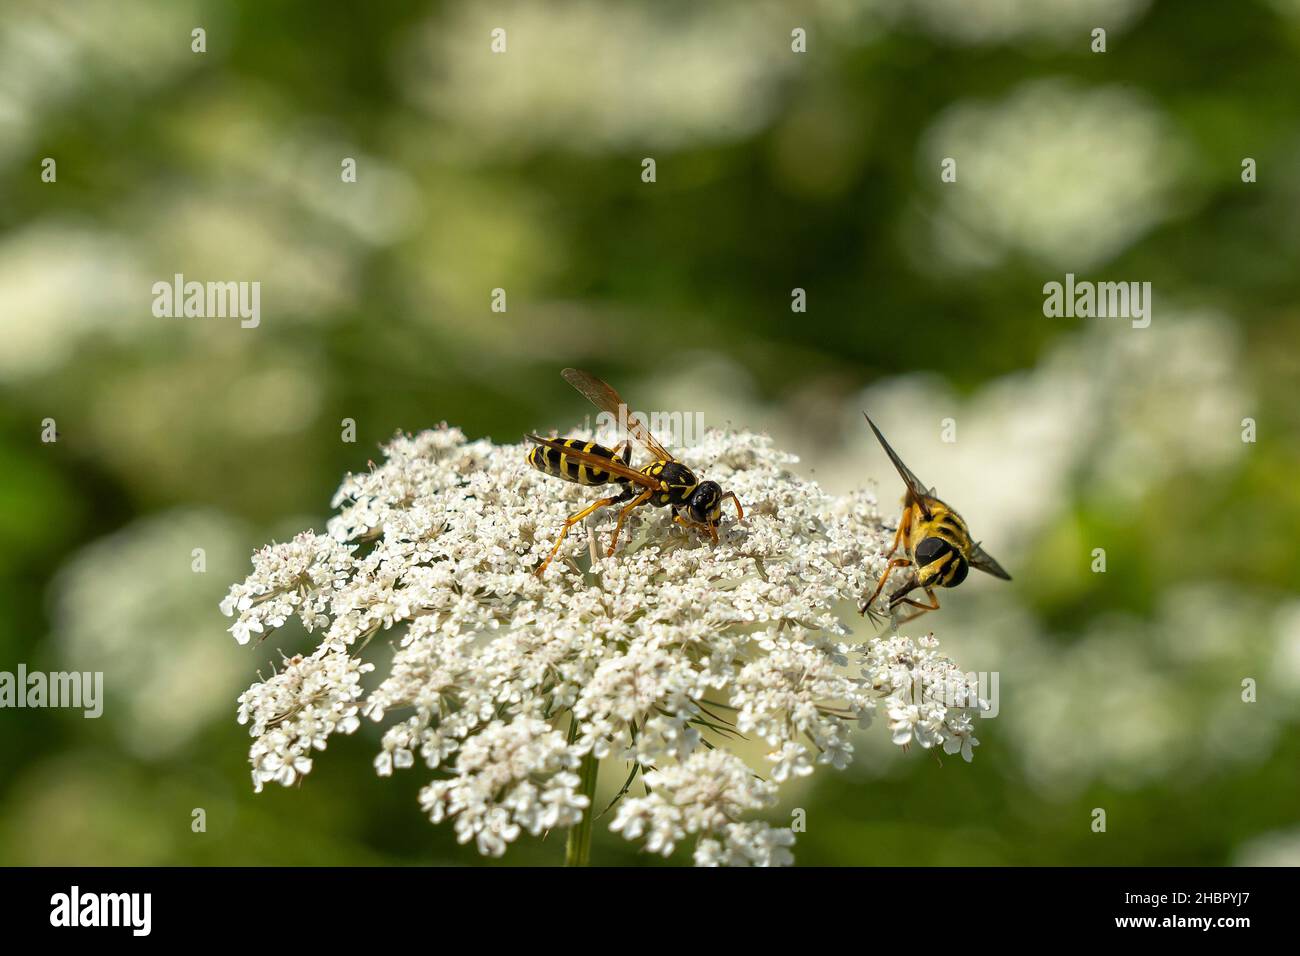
[(290, 580), (493, 794), (659, 657), (703, 794), (930, 701), (295, 711)]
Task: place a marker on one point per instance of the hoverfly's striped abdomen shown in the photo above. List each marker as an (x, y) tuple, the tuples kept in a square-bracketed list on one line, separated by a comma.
[(554, 462)]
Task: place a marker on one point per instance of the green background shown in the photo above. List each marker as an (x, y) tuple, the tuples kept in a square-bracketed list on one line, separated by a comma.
[(775, 170)]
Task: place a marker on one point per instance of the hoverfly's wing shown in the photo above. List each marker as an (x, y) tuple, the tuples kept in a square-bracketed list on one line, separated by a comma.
[(611, 465), (918, 491), (979, 558), (603, 396)]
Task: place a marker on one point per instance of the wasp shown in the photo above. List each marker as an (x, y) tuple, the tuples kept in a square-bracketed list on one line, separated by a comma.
[(936, 540), (664, 482)]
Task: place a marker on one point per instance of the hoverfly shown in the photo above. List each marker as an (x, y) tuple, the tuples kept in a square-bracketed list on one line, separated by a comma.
[(937, 543), (665, 481)]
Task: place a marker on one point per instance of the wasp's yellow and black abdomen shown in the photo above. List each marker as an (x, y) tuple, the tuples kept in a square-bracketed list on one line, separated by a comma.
[(554, 462)]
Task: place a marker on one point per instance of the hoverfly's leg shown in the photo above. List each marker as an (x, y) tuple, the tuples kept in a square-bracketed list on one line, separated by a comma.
[(901, 535), (574, 519), (740, 512), (895, 563), (923, 607), (622, 516)]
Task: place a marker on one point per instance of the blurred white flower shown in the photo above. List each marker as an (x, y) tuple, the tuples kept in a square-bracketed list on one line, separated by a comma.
[(586, 76), (273, 153), (1278, 848), (132, 606), (60, 283), (1061, 173), (1160, 695), (1285, 663), (232, 233), (660, 656), (996, 21), (52, 53)]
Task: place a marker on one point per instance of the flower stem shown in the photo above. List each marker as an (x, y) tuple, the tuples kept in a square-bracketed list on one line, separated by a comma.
[(577, 851)]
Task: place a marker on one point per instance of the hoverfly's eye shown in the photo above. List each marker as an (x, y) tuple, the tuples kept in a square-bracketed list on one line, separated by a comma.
[(931, 549), (958, 573)]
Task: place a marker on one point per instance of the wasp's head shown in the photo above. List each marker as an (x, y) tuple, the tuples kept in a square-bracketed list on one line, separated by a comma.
[(939, 564), (705, 503)]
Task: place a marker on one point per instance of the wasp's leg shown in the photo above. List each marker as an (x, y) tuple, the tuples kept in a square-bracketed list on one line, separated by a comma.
[(895, 563), (923, 607), (593, 546), (574, 519), (622, 516), (709, 529)]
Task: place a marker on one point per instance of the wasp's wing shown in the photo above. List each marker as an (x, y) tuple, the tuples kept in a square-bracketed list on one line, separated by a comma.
[(611, 465), (602, 395), (979, 558), (914, 484)]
